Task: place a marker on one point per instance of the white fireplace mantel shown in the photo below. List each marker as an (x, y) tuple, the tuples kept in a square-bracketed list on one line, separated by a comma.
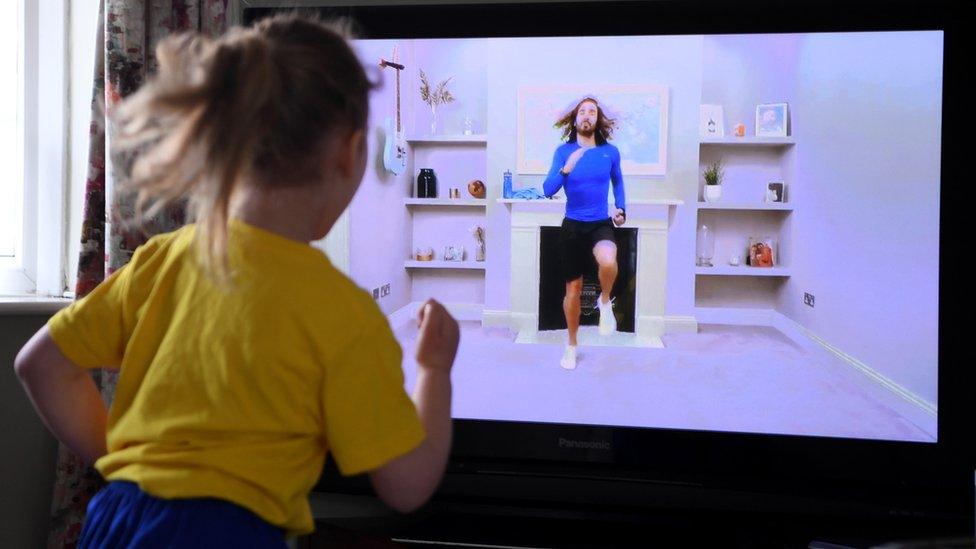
[(651, 218)]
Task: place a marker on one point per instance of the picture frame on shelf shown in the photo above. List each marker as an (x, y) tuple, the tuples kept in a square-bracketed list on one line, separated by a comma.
[(762, 252), (775, 192), (454, 253), (711, 123), (772, 120)]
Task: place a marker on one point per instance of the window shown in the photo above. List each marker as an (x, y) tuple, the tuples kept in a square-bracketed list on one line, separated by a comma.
[(33, 122), (11, 142)]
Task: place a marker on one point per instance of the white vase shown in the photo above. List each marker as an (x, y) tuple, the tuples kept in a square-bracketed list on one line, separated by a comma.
[(713, 193)]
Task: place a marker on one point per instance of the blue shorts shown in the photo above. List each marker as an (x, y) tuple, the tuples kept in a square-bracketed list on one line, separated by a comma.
[(122, 515)]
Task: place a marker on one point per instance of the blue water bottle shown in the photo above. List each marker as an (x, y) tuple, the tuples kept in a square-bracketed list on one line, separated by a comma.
[(507, 185)]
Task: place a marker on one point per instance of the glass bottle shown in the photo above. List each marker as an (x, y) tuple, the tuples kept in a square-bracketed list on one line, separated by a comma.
[(705, 246)]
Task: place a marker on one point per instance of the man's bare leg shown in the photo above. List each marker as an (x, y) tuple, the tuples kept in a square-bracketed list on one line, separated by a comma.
[(605, 253), (571, 307)]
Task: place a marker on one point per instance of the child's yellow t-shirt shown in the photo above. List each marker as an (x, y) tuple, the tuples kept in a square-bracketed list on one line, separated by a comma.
[(237, 394)]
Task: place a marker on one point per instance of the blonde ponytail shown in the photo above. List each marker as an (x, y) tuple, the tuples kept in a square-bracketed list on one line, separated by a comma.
[(251, 105)]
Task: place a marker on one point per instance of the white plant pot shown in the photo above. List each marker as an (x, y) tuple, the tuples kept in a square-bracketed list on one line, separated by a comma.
[(713, 193)]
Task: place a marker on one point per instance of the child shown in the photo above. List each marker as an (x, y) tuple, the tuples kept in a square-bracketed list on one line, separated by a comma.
[(244, 355)]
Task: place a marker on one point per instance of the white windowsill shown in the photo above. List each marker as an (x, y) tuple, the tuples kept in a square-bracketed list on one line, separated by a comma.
[(12, 305)]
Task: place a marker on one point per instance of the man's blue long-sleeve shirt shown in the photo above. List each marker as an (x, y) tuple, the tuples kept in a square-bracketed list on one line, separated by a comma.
[(587, 185)]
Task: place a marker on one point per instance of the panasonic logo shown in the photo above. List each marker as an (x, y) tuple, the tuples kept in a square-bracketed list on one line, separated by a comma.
[(584, 444)]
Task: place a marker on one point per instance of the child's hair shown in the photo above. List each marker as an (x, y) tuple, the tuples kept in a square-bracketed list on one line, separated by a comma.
[(254, 104)]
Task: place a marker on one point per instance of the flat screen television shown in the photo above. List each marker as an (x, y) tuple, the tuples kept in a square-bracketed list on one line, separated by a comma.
[(791, 338)]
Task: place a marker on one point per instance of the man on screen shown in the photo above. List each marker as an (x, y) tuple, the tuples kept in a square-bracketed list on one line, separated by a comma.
[(585, 166)]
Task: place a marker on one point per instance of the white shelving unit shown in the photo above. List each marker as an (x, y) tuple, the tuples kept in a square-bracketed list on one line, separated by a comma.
[(441, 264), (442, 221), (459, 202), (448, 139), (749, 164), (741, 270), (759, 207), (638, 201), (750, 141)]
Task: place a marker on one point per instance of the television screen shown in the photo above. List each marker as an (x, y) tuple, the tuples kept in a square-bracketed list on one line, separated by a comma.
[(762, 211)]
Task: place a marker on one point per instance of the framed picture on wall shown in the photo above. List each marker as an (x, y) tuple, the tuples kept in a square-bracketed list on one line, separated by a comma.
[(772, 120), (639, 112)]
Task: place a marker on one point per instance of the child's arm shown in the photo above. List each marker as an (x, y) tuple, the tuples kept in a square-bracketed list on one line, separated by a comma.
[(407, 482), (64, 395)]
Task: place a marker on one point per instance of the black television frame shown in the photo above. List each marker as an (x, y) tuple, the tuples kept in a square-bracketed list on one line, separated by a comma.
[(873, 477)]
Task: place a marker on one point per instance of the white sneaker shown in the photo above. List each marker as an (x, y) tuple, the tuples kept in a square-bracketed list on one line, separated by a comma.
[(608, 323), (568, 361)]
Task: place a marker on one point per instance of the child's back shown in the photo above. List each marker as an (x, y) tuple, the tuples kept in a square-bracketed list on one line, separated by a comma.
[(226, 392)]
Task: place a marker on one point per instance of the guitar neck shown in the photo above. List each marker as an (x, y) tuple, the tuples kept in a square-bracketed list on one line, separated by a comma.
[(397, 67)]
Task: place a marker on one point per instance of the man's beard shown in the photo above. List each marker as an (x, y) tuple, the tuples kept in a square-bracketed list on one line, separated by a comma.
[(588, 132)]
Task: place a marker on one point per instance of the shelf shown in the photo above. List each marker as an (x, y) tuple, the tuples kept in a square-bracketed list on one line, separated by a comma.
[(750, 141), (475, 139), (441, 264), (649, 201), (775, 206), (742, 270), (471, 202)]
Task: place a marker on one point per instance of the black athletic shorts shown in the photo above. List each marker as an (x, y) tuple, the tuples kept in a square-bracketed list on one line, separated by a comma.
[(576, 242)]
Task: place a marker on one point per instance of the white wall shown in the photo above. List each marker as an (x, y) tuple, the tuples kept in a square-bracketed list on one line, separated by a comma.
[(866, 110), (742, 71), (379, 235), (464, 59), (868, 138)]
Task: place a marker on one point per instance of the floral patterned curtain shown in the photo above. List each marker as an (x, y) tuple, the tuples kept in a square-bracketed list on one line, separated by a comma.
[(128, 31)]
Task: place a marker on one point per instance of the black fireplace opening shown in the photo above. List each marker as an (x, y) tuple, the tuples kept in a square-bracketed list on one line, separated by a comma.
[(552, 287)]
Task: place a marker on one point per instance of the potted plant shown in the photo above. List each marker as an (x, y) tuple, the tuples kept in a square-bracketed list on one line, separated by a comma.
[(713, 181)]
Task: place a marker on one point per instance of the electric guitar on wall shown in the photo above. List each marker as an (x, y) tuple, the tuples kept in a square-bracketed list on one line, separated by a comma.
[(394, 150)]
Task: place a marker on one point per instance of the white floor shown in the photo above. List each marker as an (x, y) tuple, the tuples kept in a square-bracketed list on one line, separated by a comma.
[(725, 378)]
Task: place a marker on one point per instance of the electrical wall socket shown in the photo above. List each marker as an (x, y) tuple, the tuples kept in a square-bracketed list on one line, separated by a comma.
[(808, 299), (385, 290), (376, 293)]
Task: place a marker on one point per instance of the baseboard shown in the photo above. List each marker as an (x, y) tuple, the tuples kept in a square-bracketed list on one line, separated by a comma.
[(403, 315), (679, 324), (792, 328), (460, 311), (734, 316), (493, 318)]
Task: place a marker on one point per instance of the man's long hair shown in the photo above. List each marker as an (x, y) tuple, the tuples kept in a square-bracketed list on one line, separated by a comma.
[(604, 125)]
